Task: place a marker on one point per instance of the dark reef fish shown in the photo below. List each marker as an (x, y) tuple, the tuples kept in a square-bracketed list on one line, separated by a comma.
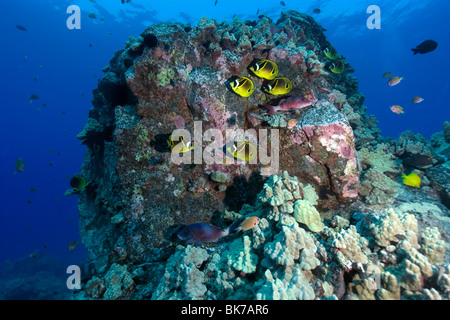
[(20, 165), (202, 232), (425, 47), (21, 28), (291, 103), (419, 161)]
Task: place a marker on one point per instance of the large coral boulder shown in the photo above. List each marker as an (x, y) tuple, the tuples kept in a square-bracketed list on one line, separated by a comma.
[(328, 160)]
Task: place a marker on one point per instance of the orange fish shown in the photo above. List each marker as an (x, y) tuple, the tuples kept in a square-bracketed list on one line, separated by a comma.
[(250, 223)]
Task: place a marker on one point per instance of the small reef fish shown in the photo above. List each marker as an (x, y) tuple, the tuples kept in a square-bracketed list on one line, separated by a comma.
[(397, 109), (278, 86), (425, 47), (244, 150), (72, 245), (417, 100), (291, 103), (78, 182), (330, 52), (198, 233), (92, 16), (21, 28), (249, 223), (264, 69), (394, 81), (283, 3), (387, 75), (292, 123), (185, 146), (242, 86), (20, 165), (337, 67), (317, 10), (412, 180), (126, 1), (33, 97)]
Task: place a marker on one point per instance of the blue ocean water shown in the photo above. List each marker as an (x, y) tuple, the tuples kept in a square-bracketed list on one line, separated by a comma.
[(63, 66)]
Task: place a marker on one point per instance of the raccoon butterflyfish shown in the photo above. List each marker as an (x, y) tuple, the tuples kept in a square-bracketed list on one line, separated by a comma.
[(185, 146), (330, 52), (337, 67), (278, 86), (264, 69), (242, 86), (243, 150), (412, 179)]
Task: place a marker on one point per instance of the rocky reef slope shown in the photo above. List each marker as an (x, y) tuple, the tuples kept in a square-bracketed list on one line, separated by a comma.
[(335, 219)]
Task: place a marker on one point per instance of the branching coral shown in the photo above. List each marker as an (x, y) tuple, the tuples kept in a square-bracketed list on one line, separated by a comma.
[(350, 246), (305, 213), (390, 226), (240, 256), (293, 288), (280, 192), (183, 280), (377, 188), (285, 248)]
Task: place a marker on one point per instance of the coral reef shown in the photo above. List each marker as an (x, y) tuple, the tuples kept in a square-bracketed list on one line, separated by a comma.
[(335, 219)]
